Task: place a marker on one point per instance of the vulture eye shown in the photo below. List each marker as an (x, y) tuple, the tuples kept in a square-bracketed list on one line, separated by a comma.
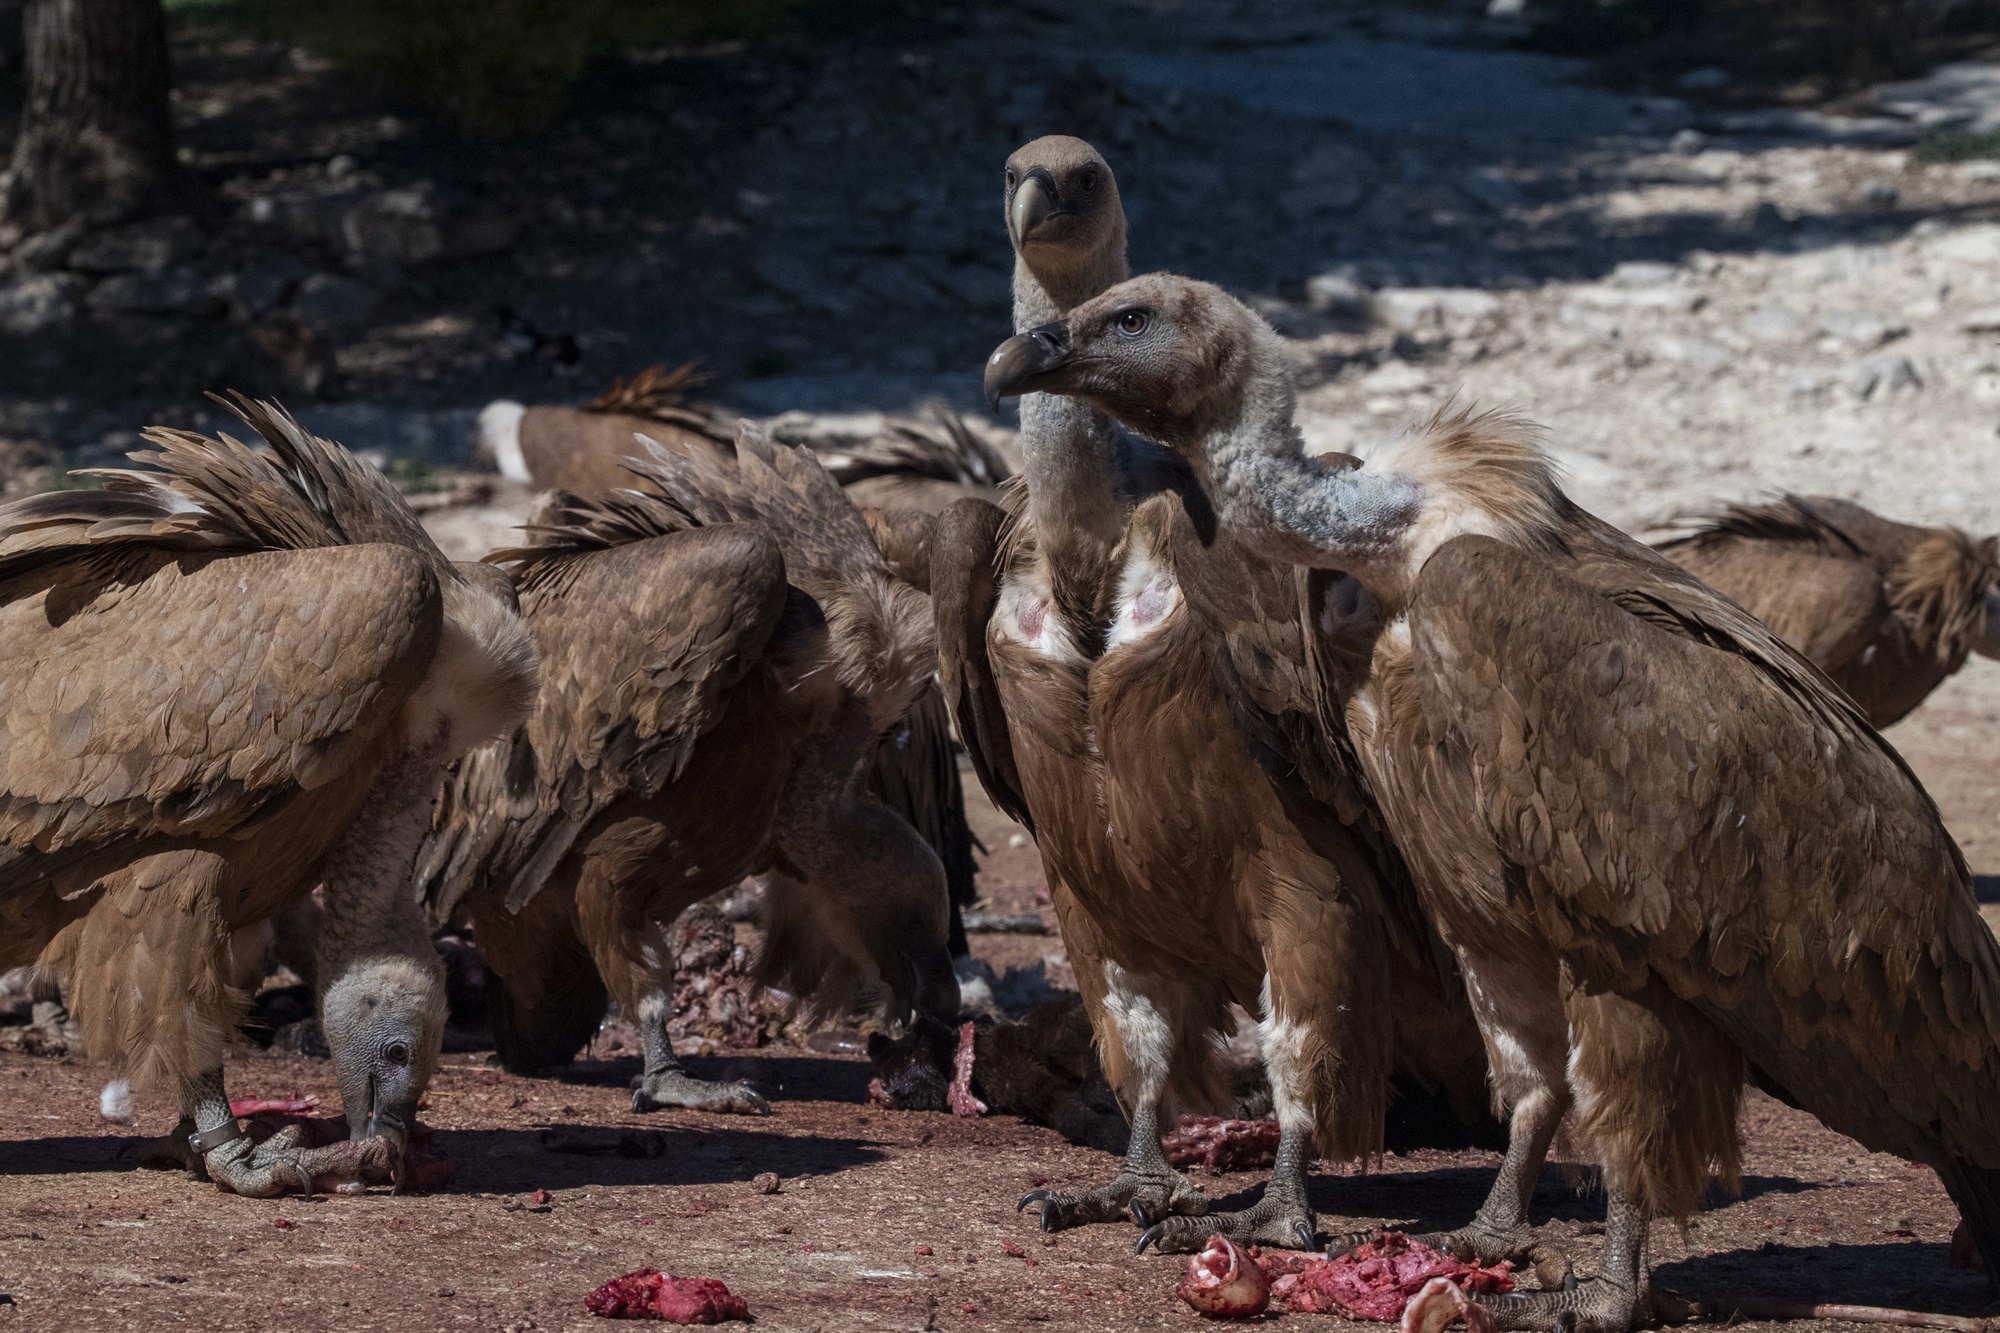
[(396, 1053), (1012, 180), (1087, 180), (1134, 322)]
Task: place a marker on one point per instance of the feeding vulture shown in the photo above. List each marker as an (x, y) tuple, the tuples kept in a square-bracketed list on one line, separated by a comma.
[(1669, 853), (223, 682), (722, 649), (1130, 685), (582, 451), (1885, 608)]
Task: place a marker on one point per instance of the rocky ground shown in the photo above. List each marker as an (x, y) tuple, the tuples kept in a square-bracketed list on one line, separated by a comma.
[(1702, 302)]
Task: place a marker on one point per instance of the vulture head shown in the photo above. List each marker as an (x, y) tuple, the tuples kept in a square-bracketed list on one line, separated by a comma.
[(384, 1023), (1064, 215), (1168, 356)]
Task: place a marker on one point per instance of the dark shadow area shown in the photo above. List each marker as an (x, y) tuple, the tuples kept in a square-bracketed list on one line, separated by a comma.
[(71, 1152), (720, 1152), (788, 1077), (1986, 888), (1442, 1199), (1904, 1274)]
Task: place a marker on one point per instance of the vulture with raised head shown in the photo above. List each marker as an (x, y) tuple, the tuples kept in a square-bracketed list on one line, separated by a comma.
[(1132, 686), (223, 682), (723, 648), (1669, 854), (1887, 609)]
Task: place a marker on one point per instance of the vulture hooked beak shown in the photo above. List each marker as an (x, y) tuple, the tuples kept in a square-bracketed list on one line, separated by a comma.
[(1027, 361), (390, 1123), (1035, 202)]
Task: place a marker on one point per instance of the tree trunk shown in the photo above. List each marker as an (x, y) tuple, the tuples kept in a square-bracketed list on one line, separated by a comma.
[(96, 135)]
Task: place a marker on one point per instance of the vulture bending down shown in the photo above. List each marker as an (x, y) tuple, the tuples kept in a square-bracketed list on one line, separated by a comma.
[(1668, 853), (222, 683), (722, 647), (1134, 689), (1886, 609), (583, 451)]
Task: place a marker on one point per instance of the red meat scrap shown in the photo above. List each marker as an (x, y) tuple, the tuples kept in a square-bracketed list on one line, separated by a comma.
[(1222, 1145), (960, 1094), (650, 1294), (1376, 1280)]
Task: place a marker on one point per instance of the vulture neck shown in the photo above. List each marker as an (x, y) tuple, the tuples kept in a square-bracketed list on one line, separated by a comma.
[(1297, 510), (371, 909), (1069, 450)]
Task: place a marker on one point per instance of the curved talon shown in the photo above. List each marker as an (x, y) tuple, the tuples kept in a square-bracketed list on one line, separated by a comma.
[(1151, 1237), (1304, 1234), (1032, 1196), (1141, 1215)]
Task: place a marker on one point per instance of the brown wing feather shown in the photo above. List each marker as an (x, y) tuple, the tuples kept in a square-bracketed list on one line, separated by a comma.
[(965, 586), (639, 644), (1688, 798), (144, 696)]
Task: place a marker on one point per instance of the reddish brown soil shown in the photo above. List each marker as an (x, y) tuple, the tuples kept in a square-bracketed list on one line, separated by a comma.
[(87, 1242)]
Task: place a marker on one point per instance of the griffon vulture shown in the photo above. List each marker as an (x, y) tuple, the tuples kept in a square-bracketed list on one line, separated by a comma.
[(1131, 688), (222, 683), (722, 649), (1669, 854), (582, 451), (1886, 609)]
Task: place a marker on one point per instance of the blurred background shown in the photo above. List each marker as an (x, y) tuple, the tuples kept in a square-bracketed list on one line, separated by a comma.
[(1720, 247)]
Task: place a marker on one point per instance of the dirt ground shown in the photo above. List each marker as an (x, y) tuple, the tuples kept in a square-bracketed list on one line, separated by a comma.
[(88, 1242)]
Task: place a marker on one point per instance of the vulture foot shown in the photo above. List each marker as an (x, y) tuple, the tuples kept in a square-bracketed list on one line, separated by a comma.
[(671, 1087), (1597, 1305), (1131, 1195), (1477, 1242), (1274, 1222), (281, 1165)]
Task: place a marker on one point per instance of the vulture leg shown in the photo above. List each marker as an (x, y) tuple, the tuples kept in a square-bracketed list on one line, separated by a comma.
[(1327, 1043), (624, 931), (665, 1082), (1527, 1048), (1136, 1040), (1611, 1302), (1283, 1218)]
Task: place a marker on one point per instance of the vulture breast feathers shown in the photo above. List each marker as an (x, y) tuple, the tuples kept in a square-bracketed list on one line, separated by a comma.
[(189, 651)]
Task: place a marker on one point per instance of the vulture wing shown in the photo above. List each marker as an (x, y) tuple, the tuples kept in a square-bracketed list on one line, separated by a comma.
[(153, 695), (824, 538), (965, 586), (640, 644), (1793, 569), (1684, 796)]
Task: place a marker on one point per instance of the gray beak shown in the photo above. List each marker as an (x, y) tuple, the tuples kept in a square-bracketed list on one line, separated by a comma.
[(1034, 200), (1018, 364), (386, 1122)]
